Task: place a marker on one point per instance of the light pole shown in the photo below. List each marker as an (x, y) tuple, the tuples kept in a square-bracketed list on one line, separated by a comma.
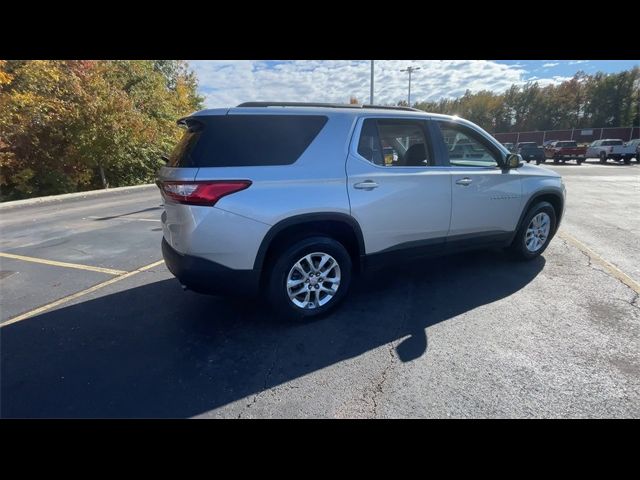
[(410, 70), (371, 86)]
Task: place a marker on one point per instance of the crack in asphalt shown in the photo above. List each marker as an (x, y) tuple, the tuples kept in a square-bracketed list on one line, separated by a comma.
[(378, 386), (267, 376), (634, 300), (591, 265)]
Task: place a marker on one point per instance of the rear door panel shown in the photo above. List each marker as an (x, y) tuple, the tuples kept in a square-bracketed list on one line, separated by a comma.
[(409, 205)]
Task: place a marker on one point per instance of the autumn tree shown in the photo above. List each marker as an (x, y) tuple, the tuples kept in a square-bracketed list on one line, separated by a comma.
[(68, 126)]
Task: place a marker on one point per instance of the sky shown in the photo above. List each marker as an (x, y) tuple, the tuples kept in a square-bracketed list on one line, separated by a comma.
[(226, 83)]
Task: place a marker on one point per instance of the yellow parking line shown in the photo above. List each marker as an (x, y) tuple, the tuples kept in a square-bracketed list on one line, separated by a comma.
[(110, 271), (68, 298), (612, 269), (127, 218)]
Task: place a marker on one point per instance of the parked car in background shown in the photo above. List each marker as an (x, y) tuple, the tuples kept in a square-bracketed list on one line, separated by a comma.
[(510, 146), (530, 151), (612, 148), (263, 198), (563, 150), (635, 143)]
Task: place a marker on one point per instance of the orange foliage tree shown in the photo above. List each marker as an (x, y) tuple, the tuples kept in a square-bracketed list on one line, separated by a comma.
[(69, 126)]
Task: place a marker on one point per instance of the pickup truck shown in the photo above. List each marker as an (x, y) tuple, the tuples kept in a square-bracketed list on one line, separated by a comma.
[(563, 150), (613, 148), (510, 146), (530, 151), (636, 144)]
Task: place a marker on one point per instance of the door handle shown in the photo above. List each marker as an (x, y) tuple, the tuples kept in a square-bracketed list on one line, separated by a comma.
[(366, 185), (464, 181)]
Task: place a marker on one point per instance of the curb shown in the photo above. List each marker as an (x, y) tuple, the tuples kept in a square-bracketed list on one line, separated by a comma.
[(51, 199)]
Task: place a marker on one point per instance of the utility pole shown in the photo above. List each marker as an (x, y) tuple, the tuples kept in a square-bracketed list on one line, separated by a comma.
[(410, 70), (371, 86)]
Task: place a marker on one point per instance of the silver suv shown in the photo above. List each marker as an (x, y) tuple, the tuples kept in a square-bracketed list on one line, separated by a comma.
[(292, 199)]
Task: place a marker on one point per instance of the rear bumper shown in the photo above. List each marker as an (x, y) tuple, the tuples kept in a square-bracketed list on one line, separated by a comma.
[(205, 276)]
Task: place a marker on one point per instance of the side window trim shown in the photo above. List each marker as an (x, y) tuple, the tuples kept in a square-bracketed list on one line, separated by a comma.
[(497, 154), (440, 153), (427, 127)]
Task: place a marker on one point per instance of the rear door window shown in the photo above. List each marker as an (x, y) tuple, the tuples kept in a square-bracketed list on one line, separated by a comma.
[(245, 140), (391, 142)]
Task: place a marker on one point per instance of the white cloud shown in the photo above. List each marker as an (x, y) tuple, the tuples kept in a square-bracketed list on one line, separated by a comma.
[(227, 83), (555, 80), (548, 65), (576, 62)]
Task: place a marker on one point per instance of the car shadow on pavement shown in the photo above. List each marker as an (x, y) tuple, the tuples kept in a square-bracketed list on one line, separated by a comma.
[(156, 351), (144, 210)]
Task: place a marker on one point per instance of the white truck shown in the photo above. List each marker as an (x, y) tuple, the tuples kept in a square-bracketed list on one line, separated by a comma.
[(612, 148)]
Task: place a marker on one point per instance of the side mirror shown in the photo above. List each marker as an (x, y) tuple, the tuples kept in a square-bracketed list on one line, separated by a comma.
[(513, 160)]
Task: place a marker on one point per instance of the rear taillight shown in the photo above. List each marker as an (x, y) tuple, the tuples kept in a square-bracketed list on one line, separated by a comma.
[(201, 193)]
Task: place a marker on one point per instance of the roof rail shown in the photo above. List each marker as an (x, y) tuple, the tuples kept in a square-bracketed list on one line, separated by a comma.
[(326, 105), (391, 107)]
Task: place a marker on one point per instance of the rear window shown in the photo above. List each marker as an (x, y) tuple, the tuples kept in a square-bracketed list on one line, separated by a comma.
[(245, 140), (609, 143), (566, 144)]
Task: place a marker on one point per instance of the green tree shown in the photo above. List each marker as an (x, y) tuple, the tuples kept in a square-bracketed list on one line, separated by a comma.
[(600, 100)]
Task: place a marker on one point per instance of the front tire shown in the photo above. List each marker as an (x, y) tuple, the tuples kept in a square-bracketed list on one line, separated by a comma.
[(535, 232), (309, 278)]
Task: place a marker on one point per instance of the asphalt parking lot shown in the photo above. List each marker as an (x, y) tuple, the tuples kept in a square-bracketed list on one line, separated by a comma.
[(93, 325)]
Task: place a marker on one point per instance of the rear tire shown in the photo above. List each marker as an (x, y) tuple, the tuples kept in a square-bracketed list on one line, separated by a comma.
[(627, 160), (603, 157), (556, 160), (315, 281), (523, 247)]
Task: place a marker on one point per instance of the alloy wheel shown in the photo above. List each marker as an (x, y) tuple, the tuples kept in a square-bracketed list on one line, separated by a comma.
[(537, 232), (313, 280)]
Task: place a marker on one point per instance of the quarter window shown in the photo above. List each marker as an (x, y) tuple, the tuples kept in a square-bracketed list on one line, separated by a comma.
[(466, 149), (245, 140)]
